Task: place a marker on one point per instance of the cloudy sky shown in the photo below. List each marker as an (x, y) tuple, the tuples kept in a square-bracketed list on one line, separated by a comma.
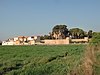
[(38, 17)]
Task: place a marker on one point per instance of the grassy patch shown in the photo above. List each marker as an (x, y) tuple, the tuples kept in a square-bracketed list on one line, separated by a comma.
[(39, 60)]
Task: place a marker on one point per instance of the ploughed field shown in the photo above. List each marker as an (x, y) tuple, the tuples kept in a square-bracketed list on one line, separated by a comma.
[(40, 59)]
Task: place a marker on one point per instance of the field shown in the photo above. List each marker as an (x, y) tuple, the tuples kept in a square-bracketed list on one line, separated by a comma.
[(40, 60)]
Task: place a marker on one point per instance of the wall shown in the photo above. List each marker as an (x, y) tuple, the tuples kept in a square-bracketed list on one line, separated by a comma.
[(56, 42), (80, 40)]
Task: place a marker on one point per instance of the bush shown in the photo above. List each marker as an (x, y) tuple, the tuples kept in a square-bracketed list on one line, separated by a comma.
[(95, 39)]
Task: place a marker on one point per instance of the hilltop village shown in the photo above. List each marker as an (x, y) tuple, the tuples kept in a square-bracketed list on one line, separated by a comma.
[(59, 35)]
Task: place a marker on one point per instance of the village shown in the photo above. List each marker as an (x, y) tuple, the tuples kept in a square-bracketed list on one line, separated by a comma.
[(60, 36), (35, 40)]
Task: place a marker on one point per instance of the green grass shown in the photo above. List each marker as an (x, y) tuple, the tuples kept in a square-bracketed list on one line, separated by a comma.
[(39, 60), (97, 63)]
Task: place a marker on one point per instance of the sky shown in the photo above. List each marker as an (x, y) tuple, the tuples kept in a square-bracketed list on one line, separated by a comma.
[(38, 17)]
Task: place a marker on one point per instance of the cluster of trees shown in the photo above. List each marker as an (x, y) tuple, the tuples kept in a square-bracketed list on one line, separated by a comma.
[(78, 33), (61, 31)]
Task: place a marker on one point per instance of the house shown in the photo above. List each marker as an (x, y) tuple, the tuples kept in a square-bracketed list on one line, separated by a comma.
[(7, 43), (37, 38), (22, 40), (32, 40)]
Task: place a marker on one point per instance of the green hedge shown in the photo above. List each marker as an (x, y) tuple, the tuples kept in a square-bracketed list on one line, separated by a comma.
[(95, 39)]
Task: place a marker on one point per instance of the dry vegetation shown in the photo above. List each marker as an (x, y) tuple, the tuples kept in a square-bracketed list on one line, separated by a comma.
[(90, 63)]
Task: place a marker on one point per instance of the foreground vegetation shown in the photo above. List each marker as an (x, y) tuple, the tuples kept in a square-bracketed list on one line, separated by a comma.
[(96, 43), (51, 60), (40, 60), (90, 63)]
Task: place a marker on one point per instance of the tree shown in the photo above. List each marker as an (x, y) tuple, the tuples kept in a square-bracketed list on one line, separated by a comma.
[(60, 31), (41, 37), (90, 34), (0, 42), (77, 33), (45, 37)]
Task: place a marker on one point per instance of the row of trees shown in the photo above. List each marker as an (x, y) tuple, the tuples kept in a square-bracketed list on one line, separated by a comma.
[(61, 32)]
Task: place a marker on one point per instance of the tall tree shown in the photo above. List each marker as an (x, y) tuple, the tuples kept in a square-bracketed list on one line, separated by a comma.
[(76, 33), (90, 34), (0, 42), (60, 31)]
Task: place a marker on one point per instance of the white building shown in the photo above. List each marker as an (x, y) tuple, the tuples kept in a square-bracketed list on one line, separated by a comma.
[(30, 38), (37, 38), (7, 43), (22, 40), (15, 38)]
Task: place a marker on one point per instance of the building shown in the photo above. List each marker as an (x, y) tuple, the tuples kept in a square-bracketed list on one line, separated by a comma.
[(7, 43), (32, 40), (22, 40)]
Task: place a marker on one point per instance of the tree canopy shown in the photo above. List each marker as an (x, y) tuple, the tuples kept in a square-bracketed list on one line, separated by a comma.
[(76, 33), (90, 34), (60, 31)]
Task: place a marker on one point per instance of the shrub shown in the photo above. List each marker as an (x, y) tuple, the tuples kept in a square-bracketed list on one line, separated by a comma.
[(95, 39)]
